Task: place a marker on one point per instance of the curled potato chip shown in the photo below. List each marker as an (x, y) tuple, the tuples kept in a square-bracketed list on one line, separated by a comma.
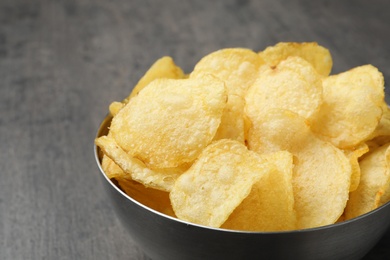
[(218, 181), (293, 85), (353, 156), (322, 172), (270, 204), (317, 55), (238, 68), (170, 121), (162, 68), (152, 198), (115, 107), (232, 121), (161, 179), (382, 131), (386, 195), (352, 106), (110, 168), (375, 176)]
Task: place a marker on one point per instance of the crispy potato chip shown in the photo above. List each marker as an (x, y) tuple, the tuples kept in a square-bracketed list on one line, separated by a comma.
[(317, 55), (270, 204), (382, 131), (386, 195), (353, 156), (352, 106), (162, 68), (232, 121), (375, 176), (378, 141), (322, 172), (219, 180), (170, 121), (115, 107), (161, 179), (292, 85), (238, 68), (152, 198), (110, 168)]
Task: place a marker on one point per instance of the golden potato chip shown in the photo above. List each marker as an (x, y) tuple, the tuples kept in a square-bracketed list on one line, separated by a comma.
[(382, 131), (162, 68), (232, 121), (115, 107), (110, 168), (161, 179), (170, 121), (270, 204), (152, 198), (237, 67), (374, 179), (218, 181), (322, 172), (293, 85), (378, 141), (386, 195), (353, 156), (315, 54), (352, 106)]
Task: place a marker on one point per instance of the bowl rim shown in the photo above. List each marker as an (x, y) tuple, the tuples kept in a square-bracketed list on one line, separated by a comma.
[(108, 117)]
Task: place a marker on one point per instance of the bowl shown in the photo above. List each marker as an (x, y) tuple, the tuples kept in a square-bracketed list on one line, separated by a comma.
[(164, 237)]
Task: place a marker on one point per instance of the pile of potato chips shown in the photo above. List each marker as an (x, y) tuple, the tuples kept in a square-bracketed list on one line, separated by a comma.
[(266, 141)]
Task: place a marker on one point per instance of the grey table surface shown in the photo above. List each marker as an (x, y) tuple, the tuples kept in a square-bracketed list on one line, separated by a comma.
[(63, 62)]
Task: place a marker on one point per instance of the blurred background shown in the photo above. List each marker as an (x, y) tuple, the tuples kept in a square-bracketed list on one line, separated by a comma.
[(63, 62)]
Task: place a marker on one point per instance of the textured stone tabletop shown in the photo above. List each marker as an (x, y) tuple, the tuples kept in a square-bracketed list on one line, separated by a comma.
[(63, 62)]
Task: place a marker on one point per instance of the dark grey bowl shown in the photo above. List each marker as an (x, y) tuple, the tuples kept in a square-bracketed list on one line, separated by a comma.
[(164, 237)]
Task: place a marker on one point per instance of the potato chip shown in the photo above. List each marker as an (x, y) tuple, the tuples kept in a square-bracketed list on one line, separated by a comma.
[(322, 172), (218, 181), (382, 131), (293, 85), (232, 121), (162, 68), (161, 179), (115, 107), (375, 176), (270, 204), (152, 198), (315, 54), (110, 168), (238, 68), (170, 121), (386, 195), (352, 106), (353, 156)]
